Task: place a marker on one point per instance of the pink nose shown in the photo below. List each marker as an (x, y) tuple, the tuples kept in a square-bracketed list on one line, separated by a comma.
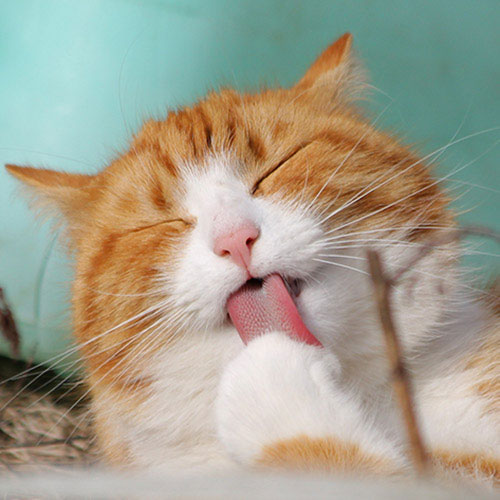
[(237, 244)]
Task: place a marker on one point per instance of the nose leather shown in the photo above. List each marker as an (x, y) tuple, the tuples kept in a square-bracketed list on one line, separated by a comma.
[(237, 244)]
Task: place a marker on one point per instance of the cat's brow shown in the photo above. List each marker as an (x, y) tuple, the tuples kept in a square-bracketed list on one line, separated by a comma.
[(278, 165)]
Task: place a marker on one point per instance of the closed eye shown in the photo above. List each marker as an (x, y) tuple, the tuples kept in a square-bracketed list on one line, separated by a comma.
[(274, 168), (176, 222)]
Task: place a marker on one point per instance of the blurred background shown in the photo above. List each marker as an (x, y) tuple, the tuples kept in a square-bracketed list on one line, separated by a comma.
[(78, 78)]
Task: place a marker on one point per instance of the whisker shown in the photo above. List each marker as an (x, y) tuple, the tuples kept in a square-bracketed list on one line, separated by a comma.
[(145, 344), (89, 390), (405, 227), (128, 130), (333, 255), (341, 265), (62, 356), (357, 195), (385, 207), (441, 150), (142, 333), (459, 284), (342, 163), (486, 188), (52, 155)]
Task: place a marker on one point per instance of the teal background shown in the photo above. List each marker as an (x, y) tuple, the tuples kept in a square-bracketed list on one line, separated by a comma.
[(78, 77)]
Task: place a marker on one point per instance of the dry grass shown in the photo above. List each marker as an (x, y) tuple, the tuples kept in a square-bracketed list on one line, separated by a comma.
[(40, 429)]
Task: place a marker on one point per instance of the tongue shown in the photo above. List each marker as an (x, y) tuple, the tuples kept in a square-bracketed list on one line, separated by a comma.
[(257, 308)]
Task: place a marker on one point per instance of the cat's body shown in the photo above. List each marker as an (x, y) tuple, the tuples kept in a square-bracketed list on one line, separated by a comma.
[(290, 187)]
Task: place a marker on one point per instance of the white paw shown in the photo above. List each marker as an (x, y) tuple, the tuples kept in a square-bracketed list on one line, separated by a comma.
[(278, 388)]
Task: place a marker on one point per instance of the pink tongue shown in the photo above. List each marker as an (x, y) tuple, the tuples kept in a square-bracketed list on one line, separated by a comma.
[(257, 308)]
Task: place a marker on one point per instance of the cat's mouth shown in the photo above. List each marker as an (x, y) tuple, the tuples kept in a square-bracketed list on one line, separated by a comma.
[(265, 305), (293, 285)]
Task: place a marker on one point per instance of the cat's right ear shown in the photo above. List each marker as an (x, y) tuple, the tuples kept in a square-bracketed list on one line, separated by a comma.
[(335, 77), (56, 193)]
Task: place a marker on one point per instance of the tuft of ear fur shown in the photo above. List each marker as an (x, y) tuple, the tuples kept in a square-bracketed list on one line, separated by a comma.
[(57, 193), (335, 77)]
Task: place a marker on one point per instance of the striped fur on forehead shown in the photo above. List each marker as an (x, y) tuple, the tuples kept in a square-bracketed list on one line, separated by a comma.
[(222, 122), (264, 131)]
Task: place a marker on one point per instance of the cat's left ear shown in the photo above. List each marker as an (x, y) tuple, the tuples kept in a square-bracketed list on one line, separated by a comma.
[(334, 77), (57, 193)]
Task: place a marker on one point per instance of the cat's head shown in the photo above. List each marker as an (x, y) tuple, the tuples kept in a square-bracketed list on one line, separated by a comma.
[(293, 182)]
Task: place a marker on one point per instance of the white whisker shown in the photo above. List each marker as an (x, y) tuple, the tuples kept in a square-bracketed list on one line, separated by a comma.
[(441, 150), (385, 207), (341, 265), (342, 163)]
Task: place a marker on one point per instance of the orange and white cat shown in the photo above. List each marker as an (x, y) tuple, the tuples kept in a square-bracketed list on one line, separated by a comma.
[(251, 214)]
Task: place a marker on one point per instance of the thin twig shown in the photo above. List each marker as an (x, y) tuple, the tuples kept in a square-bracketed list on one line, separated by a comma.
[(401, 379), (383, 285), (442, 239)]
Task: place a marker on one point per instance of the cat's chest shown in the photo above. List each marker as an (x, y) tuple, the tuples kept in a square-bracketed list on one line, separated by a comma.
[(174, 427)]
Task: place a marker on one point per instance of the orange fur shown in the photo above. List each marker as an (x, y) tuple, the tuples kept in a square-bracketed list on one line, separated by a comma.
[(130, 205), (484, 363), (308, 454), (472, 464), (129, 210)]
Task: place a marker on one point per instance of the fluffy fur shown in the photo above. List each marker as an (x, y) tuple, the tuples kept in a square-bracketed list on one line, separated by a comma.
[(172, 385)]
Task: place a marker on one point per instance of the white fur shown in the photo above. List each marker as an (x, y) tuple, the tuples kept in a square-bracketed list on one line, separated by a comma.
[(287, 243), (174, 428), (276, 388)]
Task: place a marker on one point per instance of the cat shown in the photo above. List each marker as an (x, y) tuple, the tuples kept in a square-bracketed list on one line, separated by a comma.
[(221, 301)]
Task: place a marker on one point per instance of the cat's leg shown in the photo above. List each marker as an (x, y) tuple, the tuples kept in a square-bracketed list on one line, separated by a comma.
[(279, 405)]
